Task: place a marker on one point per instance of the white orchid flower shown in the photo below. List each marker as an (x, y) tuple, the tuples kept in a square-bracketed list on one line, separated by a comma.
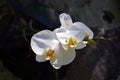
[(72, 34), (70, 38), (66, 22), (47, 47)]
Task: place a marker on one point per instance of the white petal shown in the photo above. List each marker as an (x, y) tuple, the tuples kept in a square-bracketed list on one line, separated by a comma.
[(55, 64), (68, 56), (81, 45), (41, 41), (40, 58), (85, 28), (77, 33), (65, 46), (64, 57), (65, 20), (61, 34)]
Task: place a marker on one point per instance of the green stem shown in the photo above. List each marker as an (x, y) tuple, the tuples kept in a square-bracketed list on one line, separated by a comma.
[(56, 75), (106, 39)]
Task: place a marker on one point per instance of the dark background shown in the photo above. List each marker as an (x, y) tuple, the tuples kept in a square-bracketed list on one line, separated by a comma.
[(20, 19)]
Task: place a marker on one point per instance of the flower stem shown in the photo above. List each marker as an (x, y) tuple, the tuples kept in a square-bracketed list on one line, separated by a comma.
[(106, 39), (56, 75)]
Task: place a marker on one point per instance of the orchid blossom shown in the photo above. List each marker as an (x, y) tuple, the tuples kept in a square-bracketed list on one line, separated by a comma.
[(59, 46), (46, 47), (71, 34)]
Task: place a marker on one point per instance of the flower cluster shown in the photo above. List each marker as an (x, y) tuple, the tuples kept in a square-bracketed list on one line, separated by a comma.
[(59, 46)]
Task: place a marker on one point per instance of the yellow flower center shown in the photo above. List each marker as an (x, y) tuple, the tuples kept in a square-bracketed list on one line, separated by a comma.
[(72, 41), (49, 54)]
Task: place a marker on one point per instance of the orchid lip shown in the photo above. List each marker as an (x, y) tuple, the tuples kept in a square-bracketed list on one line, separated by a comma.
[(72, 42), (49, 54)]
